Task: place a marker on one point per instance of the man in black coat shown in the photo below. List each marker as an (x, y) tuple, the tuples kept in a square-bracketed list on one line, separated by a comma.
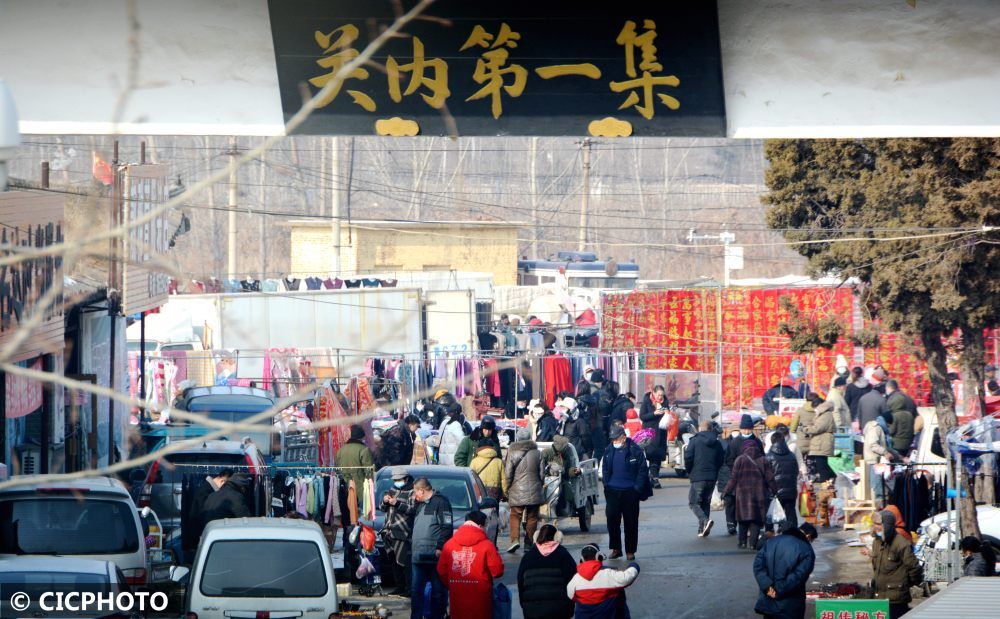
[(621, 406), (397, 442), (625, 475), (229, 501), (576, 428), (195, 524), (703, 458), (602, 396), (654, 407), (733, 451), (785, 468), (783, 390), (782, 568)]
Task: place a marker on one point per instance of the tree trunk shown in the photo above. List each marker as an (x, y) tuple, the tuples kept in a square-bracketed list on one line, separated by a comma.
[(973, 381), (944, 404)]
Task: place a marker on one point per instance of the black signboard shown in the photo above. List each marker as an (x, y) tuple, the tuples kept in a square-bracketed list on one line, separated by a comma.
[(541, 67)]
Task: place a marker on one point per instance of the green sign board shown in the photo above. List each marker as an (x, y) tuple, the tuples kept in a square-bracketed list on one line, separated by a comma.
[(852, 609)]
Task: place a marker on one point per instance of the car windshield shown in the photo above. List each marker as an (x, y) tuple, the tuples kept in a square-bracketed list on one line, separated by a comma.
[(67, 526), (455, 489), (264, 568)]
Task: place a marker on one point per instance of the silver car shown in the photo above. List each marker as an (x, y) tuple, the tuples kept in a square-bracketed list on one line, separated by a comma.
[(91, 518)]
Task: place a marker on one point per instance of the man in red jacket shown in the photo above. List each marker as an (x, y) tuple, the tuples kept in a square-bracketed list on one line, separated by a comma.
[(469, 562)]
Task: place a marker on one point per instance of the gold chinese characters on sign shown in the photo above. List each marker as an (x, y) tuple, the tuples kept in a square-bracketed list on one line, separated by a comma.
[(497, 73)]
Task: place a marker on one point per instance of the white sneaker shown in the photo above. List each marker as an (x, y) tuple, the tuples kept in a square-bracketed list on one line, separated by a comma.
[(708, 528), (513, 547)]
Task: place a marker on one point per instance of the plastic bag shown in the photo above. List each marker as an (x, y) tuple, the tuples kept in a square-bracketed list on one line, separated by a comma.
[(364, 569), (718, 503), (776, 513), (503, 602), (665, 420)]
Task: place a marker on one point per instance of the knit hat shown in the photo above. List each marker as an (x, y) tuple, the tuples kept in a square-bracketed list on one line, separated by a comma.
[(841, 364), (616, 432), (357, 433), (488, 422), (559, 442), (746, 422), (567, 403), (439, 393), (399, 473)]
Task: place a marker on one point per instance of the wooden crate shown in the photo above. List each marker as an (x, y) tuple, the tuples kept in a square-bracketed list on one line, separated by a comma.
[(855, 513)]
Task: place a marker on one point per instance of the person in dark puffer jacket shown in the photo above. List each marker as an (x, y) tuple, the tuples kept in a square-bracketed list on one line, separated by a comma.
[(542, 577), (785, 469)]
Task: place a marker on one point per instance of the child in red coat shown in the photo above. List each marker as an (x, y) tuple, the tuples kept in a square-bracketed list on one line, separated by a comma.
[(469, 562)]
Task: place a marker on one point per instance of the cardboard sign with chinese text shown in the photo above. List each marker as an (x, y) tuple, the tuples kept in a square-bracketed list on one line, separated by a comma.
[(505, 68)]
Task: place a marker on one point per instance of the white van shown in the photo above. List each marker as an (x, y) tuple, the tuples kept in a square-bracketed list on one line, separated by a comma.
[(91, 518), (247, 568)]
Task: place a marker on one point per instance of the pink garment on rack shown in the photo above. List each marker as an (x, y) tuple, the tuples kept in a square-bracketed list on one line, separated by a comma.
[(492, 372), (179, 357), (371, 499), (331, 496), (477, 376), (460, 383), (239, 382), (301, 496)]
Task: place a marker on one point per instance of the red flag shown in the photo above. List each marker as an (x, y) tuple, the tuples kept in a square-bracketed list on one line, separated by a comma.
[(102, 170)]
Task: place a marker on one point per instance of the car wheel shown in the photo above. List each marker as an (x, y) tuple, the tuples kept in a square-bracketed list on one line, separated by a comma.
[(585, 513)]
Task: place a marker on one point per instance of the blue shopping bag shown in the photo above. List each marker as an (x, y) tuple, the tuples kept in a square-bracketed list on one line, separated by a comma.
[(501, 602)]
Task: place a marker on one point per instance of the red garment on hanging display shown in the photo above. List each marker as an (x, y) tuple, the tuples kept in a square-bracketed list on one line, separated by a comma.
[(492, 373), (557, 377)]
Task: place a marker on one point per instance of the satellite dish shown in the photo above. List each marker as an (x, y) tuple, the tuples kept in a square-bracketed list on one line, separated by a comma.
[(611, 268)]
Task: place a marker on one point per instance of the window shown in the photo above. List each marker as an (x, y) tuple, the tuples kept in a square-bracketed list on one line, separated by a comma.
[(67, 526), (454, 489), (264, 568)]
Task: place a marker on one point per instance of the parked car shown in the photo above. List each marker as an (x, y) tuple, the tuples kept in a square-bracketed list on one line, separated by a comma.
[(463, 489), (231, 405), (260, 567), (38, 575), (161, 490), (936, 542), (460, 485), (92, 518)]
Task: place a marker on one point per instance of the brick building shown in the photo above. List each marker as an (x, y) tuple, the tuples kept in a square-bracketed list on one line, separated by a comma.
[(385, 247)]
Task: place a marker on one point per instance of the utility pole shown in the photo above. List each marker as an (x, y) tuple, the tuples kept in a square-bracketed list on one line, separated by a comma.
[(585, 202), (232, 209), (262, 249), (335, 201), (733, 259), (534, 198)]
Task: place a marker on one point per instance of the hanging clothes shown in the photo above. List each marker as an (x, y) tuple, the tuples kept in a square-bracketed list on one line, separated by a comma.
[(557, 377)]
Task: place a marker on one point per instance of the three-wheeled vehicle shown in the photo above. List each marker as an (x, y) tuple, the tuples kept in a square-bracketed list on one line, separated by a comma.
[(571, 496)]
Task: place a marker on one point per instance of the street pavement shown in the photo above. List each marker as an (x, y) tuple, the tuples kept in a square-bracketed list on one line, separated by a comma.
[(683, 576)]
